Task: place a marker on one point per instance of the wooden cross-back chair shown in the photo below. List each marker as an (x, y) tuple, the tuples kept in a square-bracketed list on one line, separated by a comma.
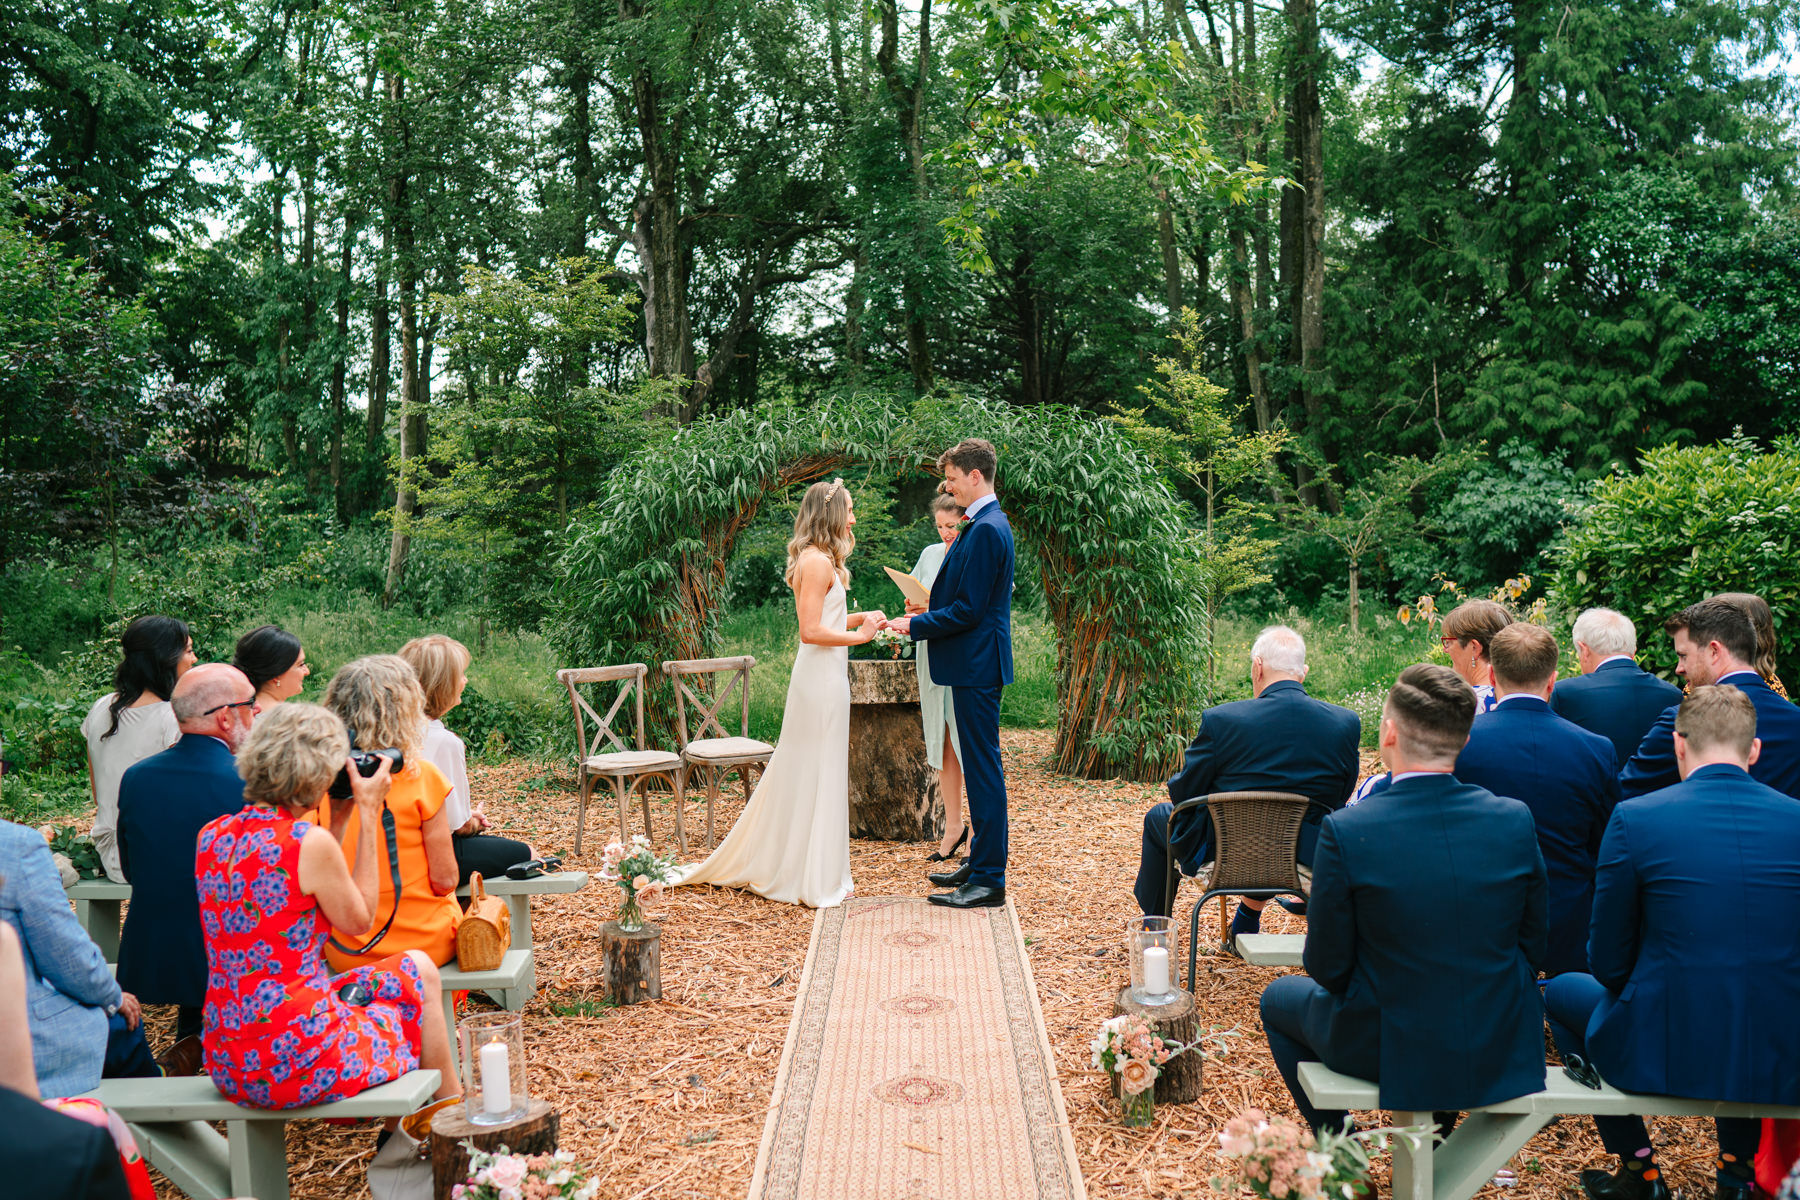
[(714, 751), (627, 766)]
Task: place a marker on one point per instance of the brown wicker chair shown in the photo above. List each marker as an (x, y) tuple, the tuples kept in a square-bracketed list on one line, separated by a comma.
[(1255, 838)]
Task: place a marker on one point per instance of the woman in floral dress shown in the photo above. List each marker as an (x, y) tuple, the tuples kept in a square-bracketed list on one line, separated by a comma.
[(281, 1031)]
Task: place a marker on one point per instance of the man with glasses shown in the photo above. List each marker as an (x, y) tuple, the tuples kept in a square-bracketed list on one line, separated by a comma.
[(164, 801)]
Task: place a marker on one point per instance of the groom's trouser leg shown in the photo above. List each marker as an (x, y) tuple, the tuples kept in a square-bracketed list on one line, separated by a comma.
[(984, 780)]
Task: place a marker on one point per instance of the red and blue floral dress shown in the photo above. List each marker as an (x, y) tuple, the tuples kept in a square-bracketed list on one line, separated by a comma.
[(277, 1033)]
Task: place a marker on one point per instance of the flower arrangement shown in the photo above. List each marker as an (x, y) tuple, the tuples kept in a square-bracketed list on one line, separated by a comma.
[(886, 645), (1278, 1160), (641, 873), (1125, 1046), (524, 1177)]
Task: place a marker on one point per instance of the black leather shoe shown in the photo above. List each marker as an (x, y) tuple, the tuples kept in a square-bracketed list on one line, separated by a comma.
[(1623, 1185), (971, 896), (1297, 907), (952, 879)]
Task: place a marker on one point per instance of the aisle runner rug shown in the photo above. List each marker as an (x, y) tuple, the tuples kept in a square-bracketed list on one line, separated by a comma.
[(916, 1066)]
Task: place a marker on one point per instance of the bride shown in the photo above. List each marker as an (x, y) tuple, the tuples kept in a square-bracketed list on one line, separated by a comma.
[(792, 842)]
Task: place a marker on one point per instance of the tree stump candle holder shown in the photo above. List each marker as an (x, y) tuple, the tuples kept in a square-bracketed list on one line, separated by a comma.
[(533, 1133), (633, 962), (1180, 1081)]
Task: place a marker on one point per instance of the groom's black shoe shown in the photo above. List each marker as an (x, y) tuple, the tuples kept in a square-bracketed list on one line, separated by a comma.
[(951, 879), (971, 896)]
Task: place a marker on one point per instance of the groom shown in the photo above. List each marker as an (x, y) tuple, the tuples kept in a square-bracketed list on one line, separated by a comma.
[(969, 626)]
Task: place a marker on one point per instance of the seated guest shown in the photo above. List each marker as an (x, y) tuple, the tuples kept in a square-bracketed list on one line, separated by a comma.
[(1466, 634), (1613, 696), (1280, 740), (274, 662), (133, 721), (442, 665), (1565, 775), (380, 701), (1688, 997), (164, 802), (1426, 929), (1716, 643), (83, 1026), (281, 1030), (1763, 621)]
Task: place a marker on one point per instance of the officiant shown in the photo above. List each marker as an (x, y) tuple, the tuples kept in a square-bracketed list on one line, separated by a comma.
[(934, 698)]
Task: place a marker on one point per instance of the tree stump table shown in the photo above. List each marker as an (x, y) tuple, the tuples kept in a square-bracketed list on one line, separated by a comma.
[(633, 962), (1180, 1081), (894, 792), (533, 1133)]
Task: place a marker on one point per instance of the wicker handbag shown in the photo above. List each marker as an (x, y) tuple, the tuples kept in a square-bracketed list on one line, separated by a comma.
[(485, 932)]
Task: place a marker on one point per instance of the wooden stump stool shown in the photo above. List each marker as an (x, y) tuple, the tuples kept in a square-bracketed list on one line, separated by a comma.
[(1180, 1081), (633, 963), (533, 1133)]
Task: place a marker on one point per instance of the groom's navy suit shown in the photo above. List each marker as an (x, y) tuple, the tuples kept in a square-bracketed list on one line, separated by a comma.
[(969, 626)]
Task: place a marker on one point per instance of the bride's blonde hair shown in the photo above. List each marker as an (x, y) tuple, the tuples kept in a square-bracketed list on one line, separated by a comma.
[(823, 524)]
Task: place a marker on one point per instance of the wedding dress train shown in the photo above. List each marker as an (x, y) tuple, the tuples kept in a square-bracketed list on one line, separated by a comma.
[(792, 841)]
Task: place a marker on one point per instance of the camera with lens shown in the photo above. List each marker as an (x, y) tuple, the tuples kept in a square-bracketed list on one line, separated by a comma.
[(367, 763)]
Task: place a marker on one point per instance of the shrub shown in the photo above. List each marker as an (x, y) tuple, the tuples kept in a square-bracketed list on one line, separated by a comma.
[(1692, 522)]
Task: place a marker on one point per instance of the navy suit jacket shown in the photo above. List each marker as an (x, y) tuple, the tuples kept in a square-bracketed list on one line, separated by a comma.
[(1425, 930), (1652, 767), (1696, 935), (164, 802), (1618, 700), (969, 623), (1281, 741), (1567, 777)]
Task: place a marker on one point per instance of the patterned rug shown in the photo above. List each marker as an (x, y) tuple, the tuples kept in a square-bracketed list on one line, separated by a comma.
[(916, 1067)]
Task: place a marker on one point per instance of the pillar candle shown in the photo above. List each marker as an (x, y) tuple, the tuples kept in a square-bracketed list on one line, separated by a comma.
[(496, 1077)]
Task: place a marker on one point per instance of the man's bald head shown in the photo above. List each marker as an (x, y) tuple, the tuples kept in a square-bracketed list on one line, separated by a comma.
[(210, 699)]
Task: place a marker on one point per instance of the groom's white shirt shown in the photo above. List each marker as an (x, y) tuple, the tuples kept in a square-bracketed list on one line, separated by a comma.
[(981, 502)]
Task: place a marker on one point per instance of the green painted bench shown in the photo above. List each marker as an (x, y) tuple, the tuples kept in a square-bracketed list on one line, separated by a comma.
[(1271, 949), (1487, 1138), (170, 1119), (100, 906), (511, 977)]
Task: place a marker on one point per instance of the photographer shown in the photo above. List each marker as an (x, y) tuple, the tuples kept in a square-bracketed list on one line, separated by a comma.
[(281, 1031), (381, 703)]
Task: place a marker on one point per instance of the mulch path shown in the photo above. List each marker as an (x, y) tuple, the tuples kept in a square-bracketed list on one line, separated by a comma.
[(667, 1099)]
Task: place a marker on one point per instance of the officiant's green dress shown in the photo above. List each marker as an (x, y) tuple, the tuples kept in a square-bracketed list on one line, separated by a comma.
[(934, 698)]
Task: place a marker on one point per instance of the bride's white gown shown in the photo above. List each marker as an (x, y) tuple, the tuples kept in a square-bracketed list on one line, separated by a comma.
[(792, 841)]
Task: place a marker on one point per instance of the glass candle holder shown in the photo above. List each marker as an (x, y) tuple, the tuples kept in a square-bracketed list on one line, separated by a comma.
[(493, 1064), (1151, 941)]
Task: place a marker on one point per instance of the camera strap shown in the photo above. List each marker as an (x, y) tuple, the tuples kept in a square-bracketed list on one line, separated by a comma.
[(393, 857)]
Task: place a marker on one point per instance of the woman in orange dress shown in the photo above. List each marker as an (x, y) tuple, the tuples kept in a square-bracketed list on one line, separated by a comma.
[(382, 704)]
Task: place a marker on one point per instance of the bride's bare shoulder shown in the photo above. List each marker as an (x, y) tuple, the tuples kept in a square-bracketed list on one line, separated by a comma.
[(814, 562)]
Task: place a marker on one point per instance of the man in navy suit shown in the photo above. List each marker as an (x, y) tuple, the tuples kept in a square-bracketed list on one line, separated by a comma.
[(1716, 643), (1565, 775), (1688, 996), (164, 802), (969, 625), (1613, 696), (1426, 929), (1280, 740)]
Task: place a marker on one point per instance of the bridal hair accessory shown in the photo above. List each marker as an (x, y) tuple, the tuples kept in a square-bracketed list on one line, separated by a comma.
[(833, 489)]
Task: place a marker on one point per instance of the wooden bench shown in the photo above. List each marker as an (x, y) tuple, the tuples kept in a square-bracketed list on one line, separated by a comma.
[(1487, 1138), (100, 906), (170, 1118), (1271, 949)]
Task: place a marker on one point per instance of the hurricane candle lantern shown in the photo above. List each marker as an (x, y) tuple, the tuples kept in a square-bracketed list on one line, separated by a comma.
[(1151, 941), (493, 1060)]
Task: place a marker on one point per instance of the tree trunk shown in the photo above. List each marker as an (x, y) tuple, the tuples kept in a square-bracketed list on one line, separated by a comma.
[(1171, 254), (633, 963), (534, 1133), (1183, 1077), (909, 111), (1355, 598), (1307, 295), (1243, 303), (412, 416), (340, 366)]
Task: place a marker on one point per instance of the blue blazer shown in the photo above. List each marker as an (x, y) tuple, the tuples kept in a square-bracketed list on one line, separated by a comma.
[(1696, 935), (1425, 930), (969, 623), (1652, 766), (1618, 700), (164, 802), (1567, 778), (68, 988), (1281, 741)]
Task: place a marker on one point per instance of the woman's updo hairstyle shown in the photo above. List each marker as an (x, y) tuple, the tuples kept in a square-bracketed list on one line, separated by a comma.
[(153, 648), (823, 524), (265, 653)]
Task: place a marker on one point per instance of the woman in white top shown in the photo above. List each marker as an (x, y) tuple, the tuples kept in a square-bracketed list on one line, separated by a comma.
[(934, 698), (442, 665), (133, 721)]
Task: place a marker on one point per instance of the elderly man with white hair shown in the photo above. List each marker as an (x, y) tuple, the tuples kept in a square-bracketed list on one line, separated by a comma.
[(1613, 697), (1280, 740)]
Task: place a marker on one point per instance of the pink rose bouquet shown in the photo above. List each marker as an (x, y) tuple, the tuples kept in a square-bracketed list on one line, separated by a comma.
[(1279, 1160), (641, 873), (1125, 1046), (505, 1176)]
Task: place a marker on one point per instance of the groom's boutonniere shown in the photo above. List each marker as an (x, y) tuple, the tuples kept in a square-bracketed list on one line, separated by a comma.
[(962, 525)]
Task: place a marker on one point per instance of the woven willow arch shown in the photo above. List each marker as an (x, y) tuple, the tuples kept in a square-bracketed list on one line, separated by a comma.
[(642, 579)]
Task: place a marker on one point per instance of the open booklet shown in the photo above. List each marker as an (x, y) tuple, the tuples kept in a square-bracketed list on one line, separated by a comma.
[(909, 587)]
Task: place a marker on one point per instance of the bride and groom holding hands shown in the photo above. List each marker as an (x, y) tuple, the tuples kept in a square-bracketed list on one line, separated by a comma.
[(792, 841)]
